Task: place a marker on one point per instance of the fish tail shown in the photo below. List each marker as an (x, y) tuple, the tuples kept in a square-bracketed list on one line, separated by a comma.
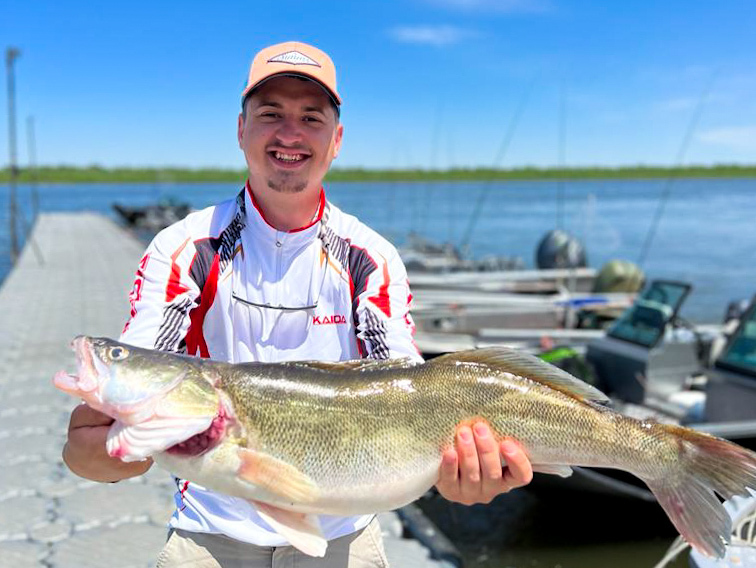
[(706, 465)]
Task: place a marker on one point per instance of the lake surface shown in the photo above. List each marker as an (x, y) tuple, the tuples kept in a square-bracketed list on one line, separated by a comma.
[(705, 236)]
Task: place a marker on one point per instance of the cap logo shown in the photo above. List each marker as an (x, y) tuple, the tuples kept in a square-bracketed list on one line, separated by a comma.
[(293, 58)]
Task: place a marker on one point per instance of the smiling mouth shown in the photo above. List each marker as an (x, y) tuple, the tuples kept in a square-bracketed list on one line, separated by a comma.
[(288, 158)]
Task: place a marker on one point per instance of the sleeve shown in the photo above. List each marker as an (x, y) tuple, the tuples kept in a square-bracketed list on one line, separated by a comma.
[(384, 326), (163, 294)]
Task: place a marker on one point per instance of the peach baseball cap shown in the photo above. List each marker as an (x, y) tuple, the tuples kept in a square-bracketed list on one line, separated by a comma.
[(293, 58)]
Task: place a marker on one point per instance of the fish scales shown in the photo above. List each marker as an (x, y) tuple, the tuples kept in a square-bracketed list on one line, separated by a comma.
[(368, 417), (303, 438), (392, 421)]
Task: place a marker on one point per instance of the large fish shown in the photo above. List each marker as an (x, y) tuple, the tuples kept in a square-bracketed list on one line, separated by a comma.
[(305, 438)]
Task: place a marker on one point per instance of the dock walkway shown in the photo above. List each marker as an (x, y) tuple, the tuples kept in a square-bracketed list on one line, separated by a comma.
[(76, 282)]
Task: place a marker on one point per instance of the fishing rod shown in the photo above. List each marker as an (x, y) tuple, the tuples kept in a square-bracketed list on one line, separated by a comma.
[(428, 187), (562, 147), (465, 242), (672, 178), (451, 217)]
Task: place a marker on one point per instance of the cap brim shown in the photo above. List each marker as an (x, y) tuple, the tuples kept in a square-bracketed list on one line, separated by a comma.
[(331, 95)]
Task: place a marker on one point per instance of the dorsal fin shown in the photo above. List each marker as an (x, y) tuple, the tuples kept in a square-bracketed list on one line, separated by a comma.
[(525, 365), (355, 365)]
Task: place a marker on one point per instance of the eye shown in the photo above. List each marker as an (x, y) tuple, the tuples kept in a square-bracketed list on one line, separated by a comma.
[(118, 353)]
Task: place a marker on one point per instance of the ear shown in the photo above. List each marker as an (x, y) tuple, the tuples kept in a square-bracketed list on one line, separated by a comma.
[(337, 141), (240, 129)]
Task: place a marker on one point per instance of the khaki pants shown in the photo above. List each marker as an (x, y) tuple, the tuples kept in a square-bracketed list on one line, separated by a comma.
[(362, 549)]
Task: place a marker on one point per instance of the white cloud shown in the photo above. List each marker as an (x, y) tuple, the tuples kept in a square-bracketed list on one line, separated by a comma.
[(734, 137), (437, 36), (497, 6)]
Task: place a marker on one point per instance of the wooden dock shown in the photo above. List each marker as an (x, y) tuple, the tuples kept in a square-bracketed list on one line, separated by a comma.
[(75, 281)]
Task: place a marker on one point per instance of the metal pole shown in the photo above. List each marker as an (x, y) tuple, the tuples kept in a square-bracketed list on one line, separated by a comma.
[(10, 55), (34, 193), (32, 145)]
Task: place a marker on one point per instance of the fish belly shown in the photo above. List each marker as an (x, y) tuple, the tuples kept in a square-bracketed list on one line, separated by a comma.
[(218, 470)]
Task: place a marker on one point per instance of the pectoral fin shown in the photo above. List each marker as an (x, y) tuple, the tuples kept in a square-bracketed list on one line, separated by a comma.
[(276, 476), (302, 531), (551, 469)]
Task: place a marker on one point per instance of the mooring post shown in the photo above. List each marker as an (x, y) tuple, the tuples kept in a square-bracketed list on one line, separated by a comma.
[(11, 54)]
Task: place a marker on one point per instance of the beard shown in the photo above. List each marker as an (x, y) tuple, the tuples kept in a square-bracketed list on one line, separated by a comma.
[(287, 183)]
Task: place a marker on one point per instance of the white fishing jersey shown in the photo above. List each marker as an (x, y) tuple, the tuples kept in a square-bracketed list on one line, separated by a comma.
[(224, 284)]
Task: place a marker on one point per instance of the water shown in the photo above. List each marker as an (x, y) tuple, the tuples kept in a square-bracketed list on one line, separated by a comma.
[(706, 235), (539, 528)]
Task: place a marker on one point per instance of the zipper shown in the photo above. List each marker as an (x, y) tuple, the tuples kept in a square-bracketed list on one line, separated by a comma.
[(279, 262), (279, 275)]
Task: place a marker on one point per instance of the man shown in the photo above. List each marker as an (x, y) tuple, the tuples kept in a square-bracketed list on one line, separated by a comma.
[(276, 274)]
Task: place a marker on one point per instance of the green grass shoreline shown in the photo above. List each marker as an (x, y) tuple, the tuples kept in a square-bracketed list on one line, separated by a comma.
[(69, 174)]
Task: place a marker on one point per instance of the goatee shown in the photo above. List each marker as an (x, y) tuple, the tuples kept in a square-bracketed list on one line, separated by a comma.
[(287, 185)]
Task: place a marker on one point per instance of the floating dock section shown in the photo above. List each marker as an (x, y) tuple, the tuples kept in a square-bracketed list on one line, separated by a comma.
[(73, 278)]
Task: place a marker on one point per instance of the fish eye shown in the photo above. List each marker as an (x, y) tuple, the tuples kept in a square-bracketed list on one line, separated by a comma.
[(118, 353)]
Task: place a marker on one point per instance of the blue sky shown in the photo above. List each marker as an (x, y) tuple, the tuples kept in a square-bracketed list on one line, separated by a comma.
[(426, 83)]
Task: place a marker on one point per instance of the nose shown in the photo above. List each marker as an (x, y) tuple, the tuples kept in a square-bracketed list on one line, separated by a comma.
[(289, 131)]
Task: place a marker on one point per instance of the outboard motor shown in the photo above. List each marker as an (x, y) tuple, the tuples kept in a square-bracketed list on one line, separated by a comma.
[(619, 276), (559, 249)]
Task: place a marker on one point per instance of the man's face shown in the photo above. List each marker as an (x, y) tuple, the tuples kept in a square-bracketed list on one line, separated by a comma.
[(289, 136)]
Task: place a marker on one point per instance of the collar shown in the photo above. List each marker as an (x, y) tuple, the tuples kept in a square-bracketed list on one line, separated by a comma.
[(260, 227)]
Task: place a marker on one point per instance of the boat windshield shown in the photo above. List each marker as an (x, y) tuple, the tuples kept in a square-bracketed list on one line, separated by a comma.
[(644, 322), (740, 353)]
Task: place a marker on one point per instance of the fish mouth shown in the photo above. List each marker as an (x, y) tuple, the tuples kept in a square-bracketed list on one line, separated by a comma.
[(86, 381)]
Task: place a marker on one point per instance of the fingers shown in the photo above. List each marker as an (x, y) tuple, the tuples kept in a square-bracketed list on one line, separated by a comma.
[(474, 474), (490, 463), (459, 475), (448, 481), (518, 472), (87, 433), (85, 452), (455, 465), (469, 466)]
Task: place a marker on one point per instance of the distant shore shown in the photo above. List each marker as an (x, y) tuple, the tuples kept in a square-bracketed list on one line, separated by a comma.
[(67, 174)]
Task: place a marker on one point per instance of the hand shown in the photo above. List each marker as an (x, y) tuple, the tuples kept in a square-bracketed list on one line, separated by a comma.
[(472, 472), (85, 453)]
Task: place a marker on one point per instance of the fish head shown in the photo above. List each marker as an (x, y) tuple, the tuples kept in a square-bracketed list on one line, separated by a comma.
[(159, 400), (120, 380)]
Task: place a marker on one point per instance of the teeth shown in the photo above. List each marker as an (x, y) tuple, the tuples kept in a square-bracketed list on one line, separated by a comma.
[(288, 157)]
